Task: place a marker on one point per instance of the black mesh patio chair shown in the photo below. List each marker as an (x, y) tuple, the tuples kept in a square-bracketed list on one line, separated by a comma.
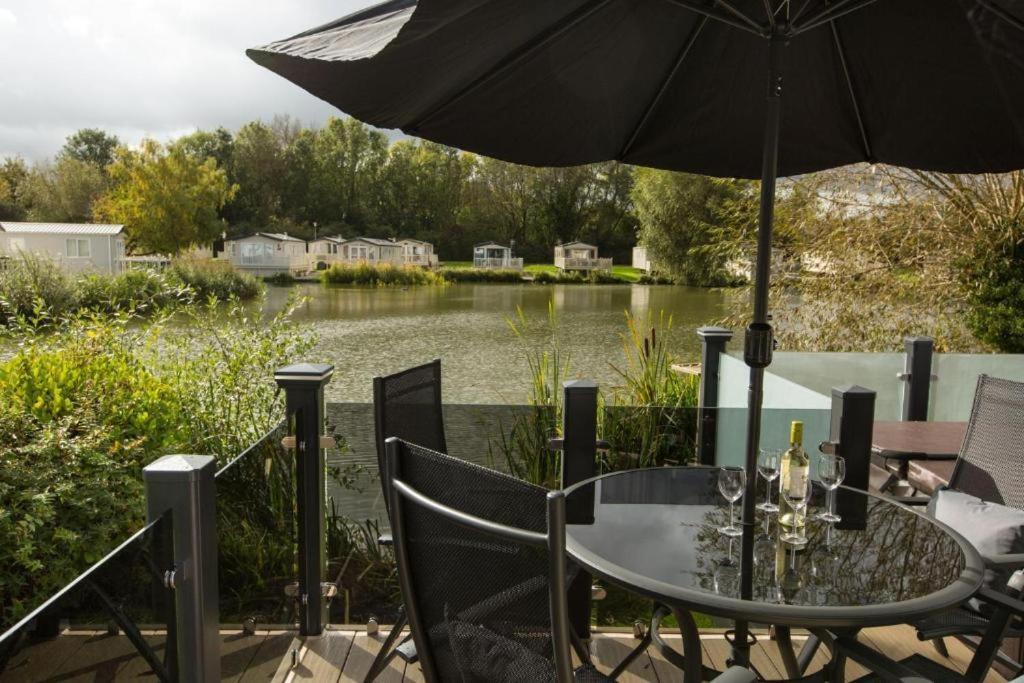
[(990, 466), (481, 562), (406, 405)]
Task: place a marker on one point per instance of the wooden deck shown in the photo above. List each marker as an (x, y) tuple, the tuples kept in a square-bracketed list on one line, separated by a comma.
[(344, 656)]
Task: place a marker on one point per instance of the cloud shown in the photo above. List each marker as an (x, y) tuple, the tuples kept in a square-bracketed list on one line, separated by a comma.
[(153, 68)]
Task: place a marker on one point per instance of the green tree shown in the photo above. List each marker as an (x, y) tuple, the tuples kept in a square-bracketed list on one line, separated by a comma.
[(13, 173), (205, 144), (167, 199), (257, 166), (61, 192), (350, 158), (691, 224), (91, 145)]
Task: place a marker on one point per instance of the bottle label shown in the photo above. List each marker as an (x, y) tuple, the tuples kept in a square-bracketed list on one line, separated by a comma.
[(797, 483)]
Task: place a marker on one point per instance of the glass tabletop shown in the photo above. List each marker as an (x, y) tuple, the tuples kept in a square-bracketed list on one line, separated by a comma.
[(657, 531)]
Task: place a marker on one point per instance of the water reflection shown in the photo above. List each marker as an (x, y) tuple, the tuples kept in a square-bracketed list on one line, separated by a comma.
[(369, 331)]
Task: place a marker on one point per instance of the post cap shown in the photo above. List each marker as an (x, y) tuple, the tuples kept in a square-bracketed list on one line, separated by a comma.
[(712, 332), (178, 467), (580, 384), (852, 390), (318, 373), (913, 340)]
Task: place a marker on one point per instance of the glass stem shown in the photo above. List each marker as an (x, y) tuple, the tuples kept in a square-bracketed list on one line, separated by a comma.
[(831, 501), (732, 504), (768, 493)]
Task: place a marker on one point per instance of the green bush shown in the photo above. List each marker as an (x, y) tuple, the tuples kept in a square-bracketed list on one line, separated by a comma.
[(481, 275), (214, 280), (29, 283), (379, 274), (138, 291), (88, 401)]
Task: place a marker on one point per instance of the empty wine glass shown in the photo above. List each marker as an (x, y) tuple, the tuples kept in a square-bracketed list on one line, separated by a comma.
[(768, 468), (831, 472), (797, 492), (731, 481)]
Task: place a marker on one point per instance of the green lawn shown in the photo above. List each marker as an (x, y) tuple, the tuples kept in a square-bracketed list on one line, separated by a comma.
[(624, 273)]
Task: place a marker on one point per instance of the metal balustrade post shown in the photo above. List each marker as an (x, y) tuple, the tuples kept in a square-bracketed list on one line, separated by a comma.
[(579, 462), (303, 386), (850, 436), (184, 485), (918, 377), (713, 341)]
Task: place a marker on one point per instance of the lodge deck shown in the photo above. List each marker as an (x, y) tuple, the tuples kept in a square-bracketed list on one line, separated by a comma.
[(343, 656)]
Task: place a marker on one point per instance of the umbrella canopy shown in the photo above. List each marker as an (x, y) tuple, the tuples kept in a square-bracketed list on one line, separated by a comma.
[(687, 85), (670, 83)]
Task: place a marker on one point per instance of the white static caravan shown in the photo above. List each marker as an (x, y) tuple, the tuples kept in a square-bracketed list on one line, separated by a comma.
[(267, 253), (418, 253), (496, 256), (74, 247), (580, 256), (372, 250)]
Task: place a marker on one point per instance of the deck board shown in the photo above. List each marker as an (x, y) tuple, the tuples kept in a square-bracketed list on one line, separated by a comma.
[(344, 655)]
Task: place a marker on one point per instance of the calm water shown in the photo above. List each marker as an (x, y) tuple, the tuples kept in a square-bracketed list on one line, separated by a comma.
[(365, 332)]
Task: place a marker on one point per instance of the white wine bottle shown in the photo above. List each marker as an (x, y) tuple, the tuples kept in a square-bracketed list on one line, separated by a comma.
[(794, 470)]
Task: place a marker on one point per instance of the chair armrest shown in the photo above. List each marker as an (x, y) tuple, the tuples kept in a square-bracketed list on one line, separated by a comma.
[(997, 599), (385, 540), (1008, 561)]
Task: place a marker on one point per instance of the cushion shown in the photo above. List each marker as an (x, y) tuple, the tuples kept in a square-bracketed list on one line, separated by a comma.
[(484, 656), (991, 528)]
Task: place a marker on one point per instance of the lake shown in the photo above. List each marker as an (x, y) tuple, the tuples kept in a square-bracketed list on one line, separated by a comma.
[(370, 331)]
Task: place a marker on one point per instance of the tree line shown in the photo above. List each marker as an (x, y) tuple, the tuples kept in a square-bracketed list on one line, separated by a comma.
[(343, 178)]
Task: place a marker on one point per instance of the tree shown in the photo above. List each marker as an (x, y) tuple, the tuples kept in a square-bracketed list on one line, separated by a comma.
[(257, 166), (13, 173), (92, 146), (167, 199), (206, 144), (350, 158), (62, 192), (691, 224)]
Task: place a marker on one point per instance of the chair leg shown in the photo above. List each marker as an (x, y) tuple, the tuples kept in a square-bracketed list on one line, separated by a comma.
[(940, 647), (631, 657), (387, 648)]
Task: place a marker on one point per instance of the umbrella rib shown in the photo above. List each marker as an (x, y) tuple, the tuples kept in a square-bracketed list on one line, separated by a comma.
[(838, 41), (830, 13), (656, 100), (1003, 14), (718, 16), (741, 16), (535, 43)]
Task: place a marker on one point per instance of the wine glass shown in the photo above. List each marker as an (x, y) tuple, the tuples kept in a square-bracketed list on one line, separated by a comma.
[(731, 481), (831, 472), (797, 492), (768, 468)]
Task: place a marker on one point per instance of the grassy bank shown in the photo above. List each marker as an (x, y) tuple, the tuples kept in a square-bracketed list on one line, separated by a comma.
[(374, 275), (31, 288)]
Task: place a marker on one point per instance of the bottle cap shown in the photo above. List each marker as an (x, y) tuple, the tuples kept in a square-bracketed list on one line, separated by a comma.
[(796, 432)]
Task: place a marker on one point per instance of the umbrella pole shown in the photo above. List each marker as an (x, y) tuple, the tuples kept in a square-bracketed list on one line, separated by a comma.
[(759, 342)]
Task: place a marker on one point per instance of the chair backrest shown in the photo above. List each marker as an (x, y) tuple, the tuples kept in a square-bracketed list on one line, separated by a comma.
[(991, 462), (407, 405), (481, 562)]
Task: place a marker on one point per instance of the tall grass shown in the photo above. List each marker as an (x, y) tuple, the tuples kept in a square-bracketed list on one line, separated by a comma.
[(525, 448), (31, 287), (481, 275), (379, 274)]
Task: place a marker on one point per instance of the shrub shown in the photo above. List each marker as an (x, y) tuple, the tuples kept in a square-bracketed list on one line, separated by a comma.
[(137, 291), (29, 283), (480, 275), (575, 277), (379, 274), (217, 280)]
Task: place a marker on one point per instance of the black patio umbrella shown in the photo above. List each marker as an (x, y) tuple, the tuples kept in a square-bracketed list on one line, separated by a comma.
[(686, 85)]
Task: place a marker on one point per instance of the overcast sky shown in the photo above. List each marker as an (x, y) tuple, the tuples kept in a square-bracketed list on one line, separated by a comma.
[(138, 68)]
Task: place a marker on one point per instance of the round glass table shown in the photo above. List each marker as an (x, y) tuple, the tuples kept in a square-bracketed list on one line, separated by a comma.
[(657, 532)]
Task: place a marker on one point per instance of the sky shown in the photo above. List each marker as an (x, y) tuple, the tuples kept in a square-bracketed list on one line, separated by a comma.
[(146, 68)]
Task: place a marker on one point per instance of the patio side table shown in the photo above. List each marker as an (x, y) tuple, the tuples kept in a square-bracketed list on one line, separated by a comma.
[(917, 452), (656, 532)]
